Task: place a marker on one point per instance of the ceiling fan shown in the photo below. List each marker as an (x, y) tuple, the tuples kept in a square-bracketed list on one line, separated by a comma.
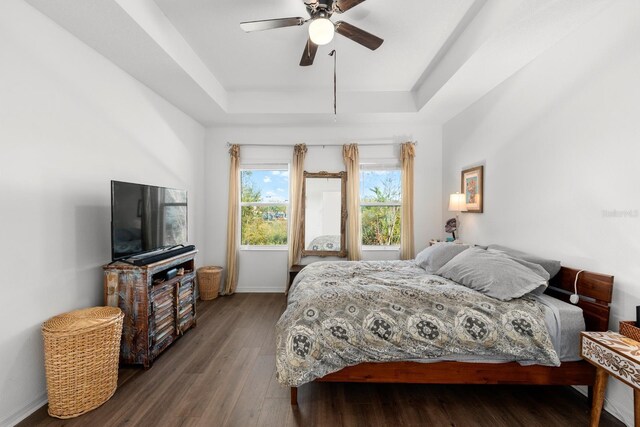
[(321, 28)]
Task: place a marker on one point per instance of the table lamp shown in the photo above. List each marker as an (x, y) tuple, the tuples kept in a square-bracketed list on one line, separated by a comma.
[(457, 204)]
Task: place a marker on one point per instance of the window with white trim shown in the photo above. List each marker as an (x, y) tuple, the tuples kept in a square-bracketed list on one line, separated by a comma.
[(380, 204), (264, 205)]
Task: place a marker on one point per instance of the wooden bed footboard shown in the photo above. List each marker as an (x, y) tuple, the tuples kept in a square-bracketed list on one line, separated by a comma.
[(568, 373), (595, 291)]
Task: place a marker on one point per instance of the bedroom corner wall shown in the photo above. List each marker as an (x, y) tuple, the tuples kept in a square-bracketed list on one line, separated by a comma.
[(70, 121), (559, 142), (266, 270)]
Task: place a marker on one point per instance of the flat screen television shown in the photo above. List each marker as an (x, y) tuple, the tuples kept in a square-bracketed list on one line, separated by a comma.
[(146, 218)]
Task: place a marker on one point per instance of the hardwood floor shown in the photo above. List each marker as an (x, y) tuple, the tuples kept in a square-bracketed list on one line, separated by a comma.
[(222, 373)]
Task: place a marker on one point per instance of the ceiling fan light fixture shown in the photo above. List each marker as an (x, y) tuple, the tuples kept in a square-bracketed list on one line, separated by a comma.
[(321, 31)]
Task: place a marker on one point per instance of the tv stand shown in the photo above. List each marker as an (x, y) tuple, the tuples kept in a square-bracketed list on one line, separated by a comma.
[(157, 311)]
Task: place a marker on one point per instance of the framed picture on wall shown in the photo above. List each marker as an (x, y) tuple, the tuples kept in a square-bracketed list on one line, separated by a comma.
[(472, 182)]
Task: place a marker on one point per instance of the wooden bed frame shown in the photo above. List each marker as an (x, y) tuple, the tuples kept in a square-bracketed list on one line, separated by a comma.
[(595, 292)]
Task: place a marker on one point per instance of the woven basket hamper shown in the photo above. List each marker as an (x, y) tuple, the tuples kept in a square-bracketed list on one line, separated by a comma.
[(209, 282), (81, 350)]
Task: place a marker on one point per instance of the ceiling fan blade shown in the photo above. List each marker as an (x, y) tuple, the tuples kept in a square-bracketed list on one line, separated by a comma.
[(269, 24), (309, 53), (344, 5), (359, 36)]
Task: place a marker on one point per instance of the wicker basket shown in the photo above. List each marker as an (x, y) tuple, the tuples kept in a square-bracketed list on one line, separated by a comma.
[(81, 350), (209, 282), (629, 329)]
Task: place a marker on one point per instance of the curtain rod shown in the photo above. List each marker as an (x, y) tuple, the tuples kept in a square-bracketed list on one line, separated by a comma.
[(321, 145)]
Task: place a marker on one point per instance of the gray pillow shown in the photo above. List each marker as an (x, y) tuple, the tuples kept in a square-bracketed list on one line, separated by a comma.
[(536, 268), (552, 266), (492, 274), (435, 256)]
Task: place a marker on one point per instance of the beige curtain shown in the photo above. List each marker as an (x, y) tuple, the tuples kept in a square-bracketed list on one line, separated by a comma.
[(354, 233), (295, 212), (232, 221), (407, 246)]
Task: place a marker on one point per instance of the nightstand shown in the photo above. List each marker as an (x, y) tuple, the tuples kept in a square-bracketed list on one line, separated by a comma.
[(293, 272), (435, 242), (616, 355)]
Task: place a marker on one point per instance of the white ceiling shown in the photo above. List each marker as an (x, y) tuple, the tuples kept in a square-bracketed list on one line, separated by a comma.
[(413, 32), (438, 57)]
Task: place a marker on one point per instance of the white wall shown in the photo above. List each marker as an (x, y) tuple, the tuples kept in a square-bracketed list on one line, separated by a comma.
[(70, 121), (266, 270), (559, 142)]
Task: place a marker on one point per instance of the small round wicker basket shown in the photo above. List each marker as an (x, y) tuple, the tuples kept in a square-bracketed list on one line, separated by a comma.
[(81, 350), (209, 282), (629, 329)]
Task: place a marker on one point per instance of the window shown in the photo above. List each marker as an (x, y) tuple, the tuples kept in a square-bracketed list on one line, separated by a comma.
[(264, 205), (174, 218), (380, 197)]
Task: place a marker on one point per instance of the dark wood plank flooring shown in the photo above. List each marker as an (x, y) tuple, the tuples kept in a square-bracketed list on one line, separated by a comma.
[(222, 373)]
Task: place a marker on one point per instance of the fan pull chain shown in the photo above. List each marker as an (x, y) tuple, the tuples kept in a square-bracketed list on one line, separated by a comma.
[(335, 84)]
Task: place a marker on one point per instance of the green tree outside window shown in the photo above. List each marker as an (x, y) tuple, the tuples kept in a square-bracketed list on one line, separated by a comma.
[(380, 197), (263, 221)]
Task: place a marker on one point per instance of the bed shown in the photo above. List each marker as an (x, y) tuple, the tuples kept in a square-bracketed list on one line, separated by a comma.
[(534, 363)]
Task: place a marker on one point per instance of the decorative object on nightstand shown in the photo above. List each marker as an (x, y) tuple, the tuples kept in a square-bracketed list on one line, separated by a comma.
[(612, 354), (472, 183), (450, 227), (456, 204)]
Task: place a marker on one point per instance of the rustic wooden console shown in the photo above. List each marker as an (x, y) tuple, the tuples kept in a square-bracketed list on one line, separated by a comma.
[(157, 311)]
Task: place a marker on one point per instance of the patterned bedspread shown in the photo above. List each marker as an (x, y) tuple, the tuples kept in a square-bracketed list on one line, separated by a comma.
[(344, 313)]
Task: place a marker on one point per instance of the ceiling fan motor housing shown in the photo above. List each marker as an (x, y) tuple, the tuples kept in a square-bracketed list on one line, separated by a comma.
[(322, 8)]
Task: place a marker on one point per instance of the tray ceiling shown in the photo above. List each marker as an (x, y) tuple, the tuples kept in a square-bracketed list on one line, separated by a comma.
[(438, 57), (413, 33)]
